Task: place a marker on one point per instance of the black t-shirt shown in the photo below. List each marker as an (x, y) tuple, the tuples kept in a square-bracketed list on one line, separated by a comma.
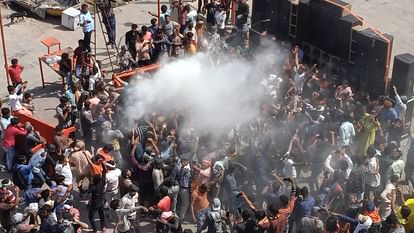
[(245, 227), (98, 193), (211, 11), (131, 38)]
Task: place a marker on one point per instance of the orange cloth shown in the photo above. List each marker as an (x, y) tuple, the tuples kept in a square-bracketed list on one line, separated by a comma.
[(373, 215), (96, 169), (106, 156)]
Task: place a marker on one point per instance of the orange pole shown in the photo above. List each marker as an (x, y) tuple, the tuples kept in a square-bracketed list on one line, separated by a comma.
[(159, 12), (3, 41), (233, 12)]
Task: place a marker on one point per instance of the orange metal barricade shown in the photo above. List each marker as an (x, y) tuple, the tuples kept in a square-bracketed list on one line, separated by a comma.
[(119, 78), (46, 130)]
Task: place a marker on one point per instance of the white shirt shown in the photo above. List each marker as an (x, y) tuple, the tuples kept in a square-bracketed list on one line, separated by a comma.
[(129, 202), (112, 180), (14, 101), (4, 123), (220, 18), (396, 168), (346, 132), (387, 193), (329, 166), (192, 16), (289, 169), (373, 178), (65, 171), (157, 177), (298, 80)]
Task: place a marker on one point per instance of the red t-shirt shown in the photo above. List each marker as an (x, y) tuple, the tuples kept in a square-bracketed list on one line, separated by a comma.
[(165, 204), (10, 135), (15, 73)]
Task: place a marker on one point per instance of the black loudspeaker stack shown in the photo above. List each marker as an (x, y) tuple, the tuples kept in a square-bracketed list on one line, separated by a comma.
[(403, 80), (277, 11), (403, 74), (370, 54)]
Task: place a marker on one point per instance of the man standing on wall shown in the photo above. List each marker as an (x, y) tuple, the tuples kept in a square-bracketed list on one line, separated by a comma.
[(86, 21)]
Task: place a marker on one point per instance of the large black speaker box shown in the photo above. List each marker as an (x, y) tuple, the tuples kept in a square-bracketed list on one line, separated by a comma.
[(343, 36), (370, 60), (403, 74), (403, 79), (304, 21), (278, 11)]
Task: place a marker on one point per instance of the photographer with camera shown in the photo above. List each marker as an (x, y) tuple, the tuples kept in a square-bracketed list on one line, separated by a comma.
[(64, 113)]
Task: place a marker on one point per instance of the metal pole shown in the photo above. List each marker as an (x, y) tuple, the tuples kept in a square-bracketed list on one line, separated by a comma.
[(3, 41), (159, 11)]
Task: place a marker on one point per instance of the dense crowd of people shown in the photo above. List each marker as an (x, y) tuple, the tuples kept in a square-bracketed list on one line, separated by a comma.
[(321, 156)]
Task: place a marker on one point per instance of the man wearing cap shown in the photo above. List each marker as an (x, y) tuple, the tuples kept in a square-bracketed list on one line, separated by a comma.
[(13, 130)]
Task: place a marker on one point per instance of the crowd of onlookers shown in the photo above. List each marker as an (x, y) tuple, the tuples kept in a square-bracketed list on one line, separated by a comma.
[(321, 156)]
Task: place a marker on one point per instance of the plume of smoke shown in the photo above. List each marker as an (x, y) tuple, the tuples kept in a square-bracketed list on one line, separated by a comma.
[(213, 96)]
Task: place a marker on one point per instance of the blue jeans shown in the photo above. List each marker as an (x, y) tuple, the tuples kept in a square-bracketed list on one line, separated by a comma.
[(10, 158), (183, 204), (110, 25), (201, 217), (41, 175), (68, 79), (78, 70)]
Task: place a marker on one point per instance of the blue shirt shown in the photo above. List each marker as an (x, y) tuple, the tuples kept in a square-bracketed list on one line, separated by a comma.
[(303, 208), (87, 21), (24, 170), (71, 97), (184, 177), (37, 160), (385, 115), (162, 16)]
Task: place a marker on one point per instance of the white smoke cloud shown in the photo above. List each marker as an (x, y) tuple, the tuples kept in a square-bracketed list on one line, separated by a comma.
[(212, 96)]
